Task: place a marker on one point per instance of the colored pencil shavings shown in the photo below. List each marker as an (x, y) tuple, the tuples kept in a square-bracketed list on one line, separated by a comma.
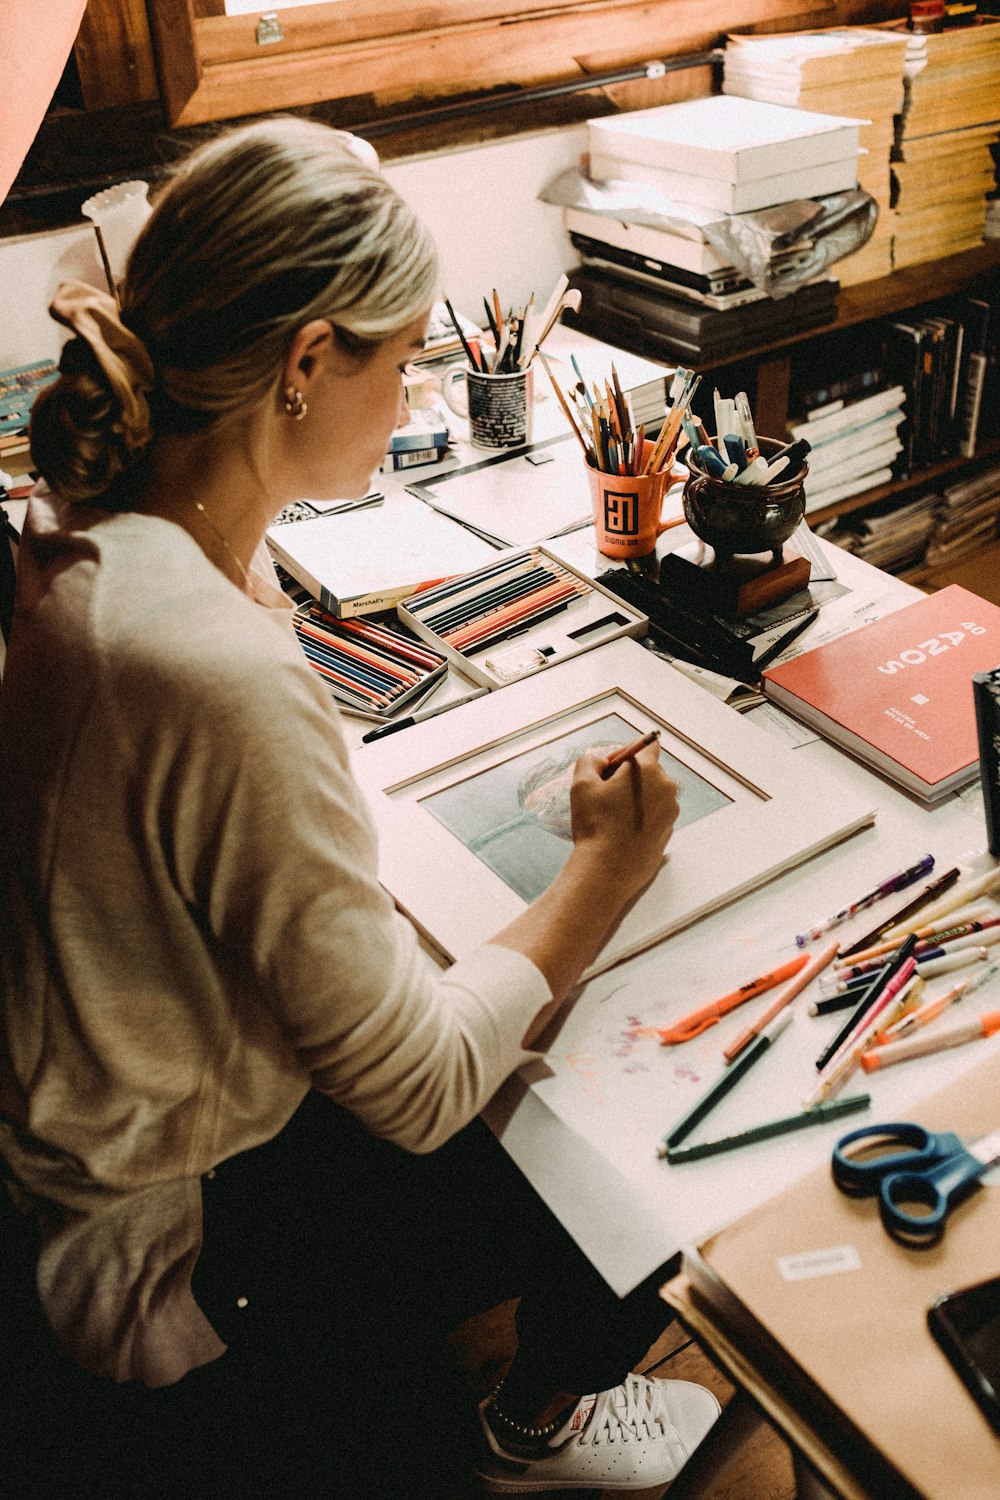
[(369, 668)]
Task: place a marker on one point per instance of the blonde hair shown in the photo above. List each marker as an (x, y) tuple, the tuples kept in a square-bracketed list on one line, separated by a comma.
[(259, 231)]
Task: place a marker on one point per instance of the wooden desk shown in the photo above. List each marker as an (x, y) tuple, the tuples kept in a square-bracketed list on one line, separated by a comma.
[(843, 1363)]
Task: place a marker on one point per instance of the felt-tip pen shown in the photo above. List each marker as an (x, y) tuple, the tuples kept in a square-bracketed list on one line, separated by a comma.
[(417, 717)]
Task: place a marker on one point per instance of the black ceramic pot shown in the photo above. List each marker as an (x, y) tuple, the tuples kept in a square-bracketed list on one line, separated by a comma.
[(737, 518)]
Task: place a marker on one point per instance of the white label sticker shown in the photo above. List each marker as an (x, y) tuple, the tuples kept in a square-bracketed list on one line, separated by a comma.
[(819, 1263)]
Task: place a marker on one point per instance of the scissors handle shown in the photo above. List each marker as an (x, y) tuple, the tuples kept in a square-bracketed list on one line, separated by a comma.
[(935, 1188), (859, 1170)]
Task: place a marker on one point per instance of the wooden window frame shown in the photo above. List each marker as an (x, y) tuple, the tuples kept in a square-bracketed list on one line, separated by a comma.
[(212, 66)]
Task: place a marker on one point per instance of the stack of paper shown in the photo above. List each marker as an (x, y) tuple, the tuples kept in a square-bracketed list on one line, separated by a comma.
[(852, 447), (966, 519), (951, 115), (727, 153), (630, 229), (894, 540), (849, 71)]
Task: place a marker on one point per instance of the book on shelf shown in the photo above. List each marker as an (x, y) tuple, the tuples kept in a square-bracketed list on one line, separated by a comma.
[(845, 488), (709, 283), (897, 693), (705, 291), (811, 59), (890, 536), (724, 139), (978, 317), (734, 197), (851, 474), (822, 426), (361, 561)]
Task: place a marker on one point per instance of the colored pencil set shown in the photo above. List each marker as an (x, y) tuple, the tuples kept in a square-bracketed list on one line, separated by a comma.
[(605, 426), (370, 668), (496, 602)]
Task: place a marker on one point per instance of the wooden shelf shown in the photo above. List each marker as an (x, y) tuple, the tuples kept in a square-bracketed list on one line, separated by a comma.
[(901, 291)]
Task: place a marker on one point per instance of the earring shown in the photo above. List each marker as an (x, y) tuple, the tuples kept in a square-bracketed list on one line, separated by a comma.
[(295, 403)]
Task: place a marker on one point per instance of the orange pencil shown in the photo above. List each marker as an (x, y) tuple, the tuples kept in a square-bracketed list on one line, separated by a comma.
[(700, 1020), (627, 752)]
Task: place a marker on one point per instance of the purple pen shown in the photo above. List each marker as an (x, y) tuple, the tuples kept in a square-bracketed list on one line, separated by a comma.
[(887, 888)]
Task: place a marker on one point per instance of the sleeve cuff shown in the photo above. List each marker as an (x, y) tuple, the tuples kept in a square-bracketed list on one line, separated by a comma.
[(510, 989)]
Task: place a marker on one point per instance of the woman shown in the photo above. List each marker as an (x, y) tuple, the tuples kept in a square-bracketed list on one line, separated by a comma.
[(218, 1034)]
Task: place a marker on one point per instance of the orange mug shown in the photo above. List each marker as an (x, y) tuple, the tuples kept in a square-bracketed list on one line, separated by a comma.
[(627, 509)]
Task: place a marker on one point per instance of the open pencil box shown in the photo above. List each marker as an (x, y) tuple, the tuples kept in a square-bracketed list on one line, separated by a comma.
[(518, 614), (372, 669)]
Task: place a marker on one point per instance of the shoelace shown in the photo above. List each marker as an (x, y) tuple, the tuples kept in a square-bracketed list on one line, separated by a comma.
[(619, 1414)]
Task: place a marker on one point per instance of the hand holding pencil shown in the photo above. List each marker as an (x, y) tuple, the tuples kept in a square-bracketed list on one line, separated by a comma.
[(623, 814)]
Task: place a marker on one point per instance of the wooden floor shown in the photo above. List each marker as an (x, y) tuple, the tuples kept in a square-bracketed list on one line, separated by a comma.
[(762, 1468)]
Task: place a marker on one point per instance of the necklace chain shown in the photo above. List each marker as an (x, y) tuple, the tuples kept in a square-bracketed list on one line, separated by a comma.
[(225, 545)]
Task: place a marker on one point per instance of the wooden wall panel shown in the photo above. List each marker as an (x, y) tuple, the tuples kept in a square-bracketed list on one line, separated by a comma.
[(212, 67), (114, 54)]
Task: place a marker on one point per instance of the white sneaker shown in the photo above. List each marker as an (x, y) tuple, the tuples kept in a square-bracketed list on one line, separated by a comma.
[(633, 1437)]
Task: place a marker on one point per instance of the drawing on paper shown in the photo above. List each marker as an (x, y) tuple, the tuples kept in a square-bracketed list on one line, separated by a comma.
[(515, 817)]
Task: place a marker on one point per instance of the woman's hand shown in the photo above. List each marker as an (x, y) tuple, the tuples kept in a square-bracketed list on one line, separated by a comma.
[(624, 823), (620, 830)]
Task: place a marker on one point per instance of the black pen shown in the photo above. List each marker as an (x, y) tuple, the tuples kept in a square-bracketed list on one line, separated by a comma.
[(869, 996), (796, 452), (475, 363), (819, 1115), (419, 715), (777, 646), (722, 1085), (936, 888)]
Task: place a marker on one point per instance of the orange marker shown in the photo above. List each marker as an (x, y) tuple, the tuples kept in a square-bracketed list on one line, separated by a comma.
[(805, 976), (700, 1020), (935, 1041)]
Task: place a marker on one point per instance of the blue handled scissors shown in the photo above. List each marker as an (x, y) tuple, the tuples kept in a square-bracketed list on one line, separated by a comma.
[(917, 1174)]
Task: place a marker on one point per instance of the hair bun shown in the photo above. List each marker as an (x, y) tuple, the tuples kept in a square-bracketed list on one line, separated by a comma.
[(76, 434)]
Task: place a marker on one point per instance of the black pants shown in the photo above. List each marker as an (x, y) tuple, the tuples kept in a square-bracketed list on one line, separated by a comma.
[(334, 1265)]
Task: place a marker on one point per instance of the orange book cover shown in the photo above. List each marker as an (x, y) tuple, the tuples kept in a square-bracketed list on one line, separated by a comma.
[(898, 693)]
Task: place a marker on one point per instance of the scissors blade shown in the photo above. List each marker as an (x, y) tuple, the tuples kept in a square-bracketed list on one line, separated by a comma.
[(986, 1149)]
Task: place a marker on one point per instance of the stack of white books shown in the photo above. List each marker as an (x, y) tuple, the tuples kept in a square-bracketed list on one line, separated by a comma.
[(942, 162), (852, 446), (849, 71), (727, 153)]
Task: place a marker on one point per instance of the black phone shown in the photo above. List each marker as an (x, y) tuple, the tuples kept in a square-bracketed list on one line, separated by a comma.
[(966, 1324)]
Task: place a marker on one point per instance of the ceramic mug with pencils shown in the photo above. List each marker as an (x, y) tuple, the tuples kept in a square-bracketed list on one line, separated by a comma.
[(627, 508), (498, 408)]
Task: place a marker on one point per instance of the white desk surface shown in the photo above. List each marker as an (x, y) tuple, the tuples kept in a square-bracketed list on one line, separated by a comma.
[(584, 1122)]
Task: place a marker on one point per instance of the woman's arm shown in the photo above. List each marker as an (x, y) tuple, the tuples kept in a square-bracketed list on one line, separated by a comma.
[(620, 829)]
